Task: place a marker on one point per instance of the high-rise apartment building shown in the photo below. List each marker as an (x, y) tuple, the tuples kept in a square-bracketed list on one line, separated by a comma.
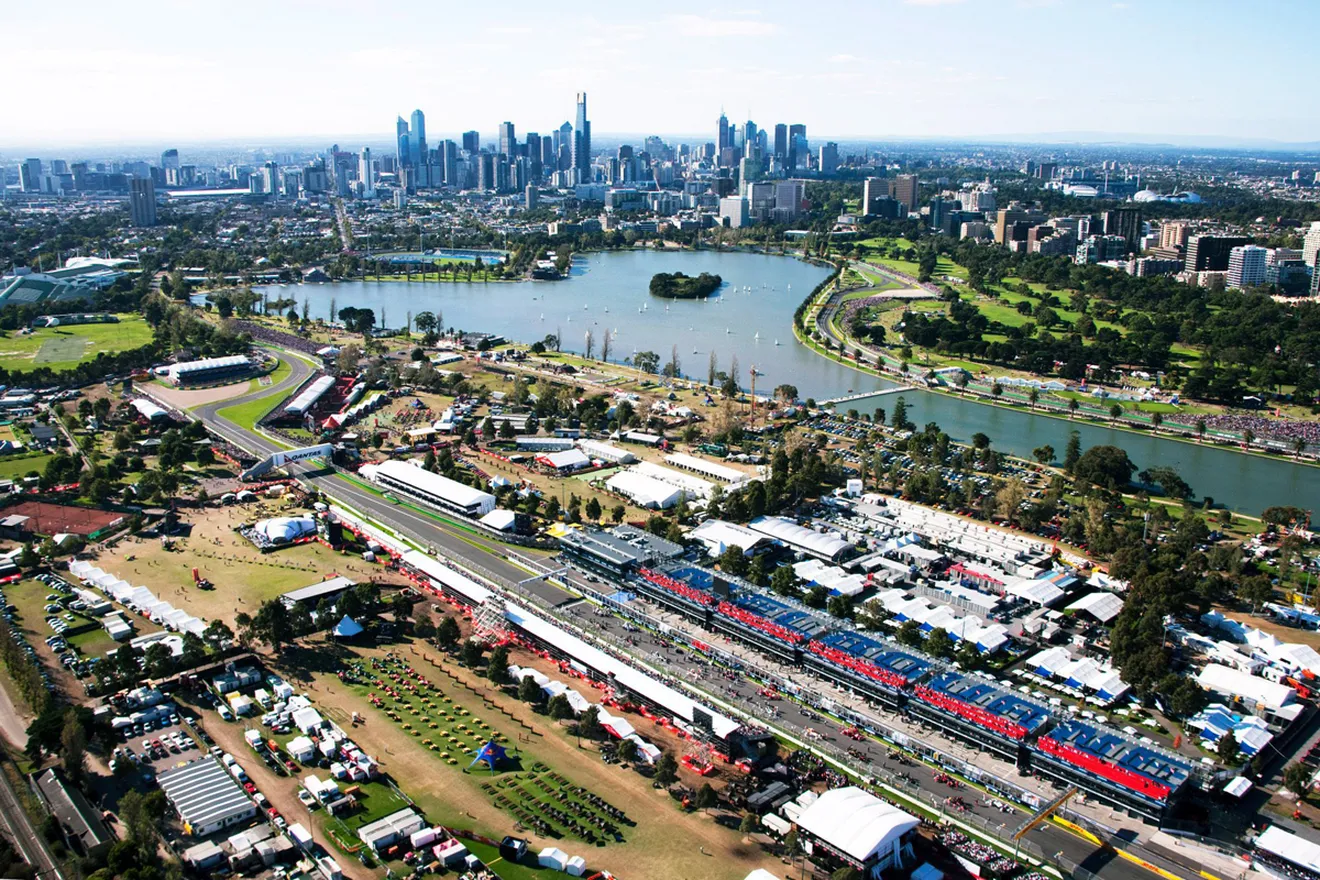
[(270, 175), (471, 141), (781, 140), (582, 141), (449, 163), (1173, 234), (169, 160), (724, 137), (798, 149), (1310, 244), (142, 201), (1209, 253), (829, 158), (366, 174), (904, 189), (1246, 266), (1125, 222), (873, 190)]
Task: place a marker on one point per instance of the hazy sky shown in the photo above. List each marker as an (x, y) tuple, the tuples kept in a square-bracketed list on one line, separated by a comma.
[(143, 72)]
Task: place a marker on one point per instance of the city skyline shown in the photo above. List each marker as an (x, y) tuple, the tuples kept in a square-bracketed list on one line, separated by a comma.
[(947, 69)]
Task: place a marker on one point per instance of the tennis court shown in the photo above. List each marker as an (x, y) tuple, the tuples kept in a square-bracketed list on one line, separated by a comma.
[(54, 519)]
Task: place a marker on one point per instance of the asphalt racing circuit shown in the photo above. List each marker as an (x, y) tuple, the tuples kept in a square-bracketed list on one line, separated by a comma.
[(516, 570)]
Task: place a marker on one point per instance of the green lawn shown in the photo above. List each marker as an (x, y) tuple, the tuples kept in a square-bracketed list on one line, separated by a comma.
[(15, 466), (61, 348), (247, 414)]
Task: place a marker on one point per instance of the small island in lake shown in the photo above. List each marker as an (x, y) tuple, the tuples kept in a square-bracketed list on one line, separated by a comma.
[(676, 285)]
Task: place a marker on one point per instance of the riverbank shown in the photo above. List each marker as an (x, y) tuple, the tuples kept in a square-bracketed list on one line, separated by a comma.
[(821, 303)]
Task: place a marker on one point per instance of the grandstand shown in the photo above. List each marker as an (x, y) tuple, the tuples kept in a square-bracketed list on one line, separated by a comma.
[(1143, 779), (980, 712), (209, 370), (876, 670)]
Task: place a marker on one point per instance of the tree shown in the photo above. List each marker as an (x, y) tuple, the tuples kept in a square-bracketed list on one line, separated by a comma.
[(589, 724), (1073, 451), (529, 691), (666, 770), (940, 643), (909, 634), (1297, 779), (447, 633), (706, 797), (784, 581), (733, 561), (593, 509), (627, 750), (73, 747), (617, 513), (1043, 454), (647, 361), (472, 653), (559, 708), (1107, 466), (497, 665), (1227, 749), (839, 606), (749, 823)]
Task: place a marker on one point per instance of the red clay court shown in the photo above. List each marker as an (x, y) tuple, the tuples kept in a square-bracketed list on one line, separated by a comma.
[(54, 519)]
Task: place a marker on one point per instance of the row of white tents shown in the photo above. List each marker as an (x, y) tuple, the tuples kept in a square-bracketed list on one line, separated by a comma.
[(138, 598), (617, 725)]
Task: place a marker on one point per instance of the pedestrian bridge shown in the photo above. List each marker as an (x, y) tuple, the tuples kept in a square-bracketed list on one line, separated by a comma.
[(835, 401), (286, 456)]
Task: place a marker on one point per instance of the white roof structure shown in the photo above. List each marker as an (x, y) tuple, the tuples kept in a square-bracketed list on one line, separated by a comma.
[(606, 451), (282, 529), (695, 487), (568, 459), (713, 470), (826, 546), (644, 491), (1234, 683), (1290, 847), (311, 394), (148, 410), (432, 485), (201, 366), (444, 576), (719, 536), (831, 577), (499, 519), (1104, 607), (1040, 591), (855, 822)]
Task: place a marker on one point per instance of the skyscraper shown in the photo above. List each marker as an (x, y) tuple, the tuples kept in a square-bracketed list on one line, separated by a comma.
[(404, 145), (417, 139), (725, 138), (449, 161), (781, 140), (875, 189), (169, 159), (271, 176), (1210, 253), (366, 175), (508, 142), (472, 141), (142, 201), (29, 175), (798, 150), (582, 141)]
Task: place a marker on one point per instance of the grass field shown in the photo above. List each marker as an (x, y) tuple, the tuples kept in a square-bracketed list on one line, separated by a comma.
[(13, 467), (247, 414), (61, 348)]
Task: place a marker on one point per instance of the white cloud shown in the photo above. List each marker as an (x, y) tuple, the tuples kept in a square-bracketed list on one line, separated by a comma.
[(703, 26), (933, 2), (844, 58)]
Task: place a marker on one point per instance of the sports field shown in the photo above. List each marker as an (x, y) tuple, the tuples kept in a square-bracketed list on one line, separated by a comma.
[(61, 348)]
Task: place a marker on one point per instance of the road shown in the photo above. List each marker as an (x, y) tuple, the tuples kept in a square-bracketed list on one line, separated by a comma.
[(491, 559), (18, 828)]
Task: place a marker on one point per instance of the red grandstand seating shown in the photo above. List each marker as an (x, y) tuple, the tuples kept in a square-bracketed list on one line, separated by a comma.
[(974, 714), (1099, 766), (756, 621), (858, 665), (676, 587)]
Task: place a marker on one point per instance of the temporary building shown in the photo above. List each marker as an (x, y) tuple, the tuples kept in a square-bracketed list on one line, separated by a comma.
[(552, 857), (576, 866), (307, 719), (1253, 689), (824, 545), (860, 825), (301, 748), (1104, 607), (500, 519), (347, 628)]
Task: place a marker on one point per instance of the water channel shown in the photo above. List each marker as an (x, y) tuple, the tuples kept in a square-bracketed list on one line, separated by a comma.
[(751, 319)]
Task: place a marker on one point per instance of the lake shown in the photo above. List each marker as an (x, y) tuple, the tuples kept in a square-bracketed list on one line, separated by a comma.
[(751, 319)]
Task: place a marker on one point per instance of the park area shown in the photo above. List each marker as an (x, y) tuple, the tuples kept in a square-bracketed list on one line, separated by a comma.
[(553, 790), (60, 348)]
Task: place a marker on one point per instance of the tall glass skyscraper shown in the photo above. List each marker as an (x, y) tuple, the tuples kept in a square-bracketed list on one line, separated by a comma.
[(582, 141), (417, 139)]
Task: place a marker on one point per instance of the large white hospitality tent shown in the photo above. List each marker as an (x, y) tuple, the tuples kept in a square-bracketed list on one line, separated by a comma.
[(860, 826)]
